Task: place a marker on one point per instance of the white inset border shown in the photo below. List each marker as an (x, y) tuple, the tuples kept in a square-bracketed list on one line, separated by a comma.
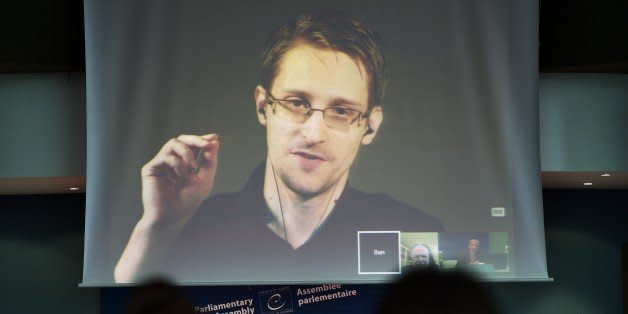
[(360, 272)]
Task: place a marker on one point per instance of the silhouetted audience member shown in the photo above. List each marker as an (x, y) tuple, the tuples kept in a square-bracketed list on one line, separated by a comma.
[(158, 297), (430, 292)]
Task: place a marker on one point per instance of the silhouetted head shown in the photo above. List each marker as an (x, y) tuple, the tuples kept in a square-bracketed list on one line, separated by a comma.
[(428, 292), (158, 297)]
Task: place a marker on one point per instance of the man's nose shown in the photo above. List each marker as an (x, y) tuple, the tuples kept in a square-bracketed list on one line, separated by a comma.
[(314, 127)]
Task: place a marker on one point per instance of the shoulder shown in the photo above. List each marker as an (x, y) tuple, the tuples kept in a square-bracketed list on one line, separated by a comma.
[(382, 209), (219, 204)]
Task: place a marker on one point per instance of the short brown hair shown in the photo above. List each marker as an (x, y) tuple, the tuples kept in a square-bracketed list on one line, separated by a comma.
[(329, 29)]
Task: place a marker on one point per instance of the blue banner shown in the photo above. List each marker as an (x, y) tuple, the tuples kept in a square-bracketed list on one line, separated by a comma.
[(324, 298)]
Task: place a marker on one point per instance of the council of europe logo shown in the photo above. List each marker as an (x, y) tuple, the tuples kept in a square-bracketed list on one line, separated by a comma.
[(276, 301)]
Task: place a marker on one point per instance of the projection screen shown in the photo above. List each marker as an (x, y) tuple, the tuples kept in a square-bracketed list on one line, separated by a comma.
[(245, 142)]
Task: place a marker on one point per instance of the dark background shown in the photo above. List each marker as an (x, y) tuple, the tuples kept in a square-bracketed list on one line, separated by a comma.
[(575, 36), (42, 236)]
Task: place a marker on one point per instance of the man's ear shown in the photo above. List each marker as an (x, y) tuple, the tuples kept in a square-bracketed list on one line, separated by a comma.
[(260, 104), (374, 122)]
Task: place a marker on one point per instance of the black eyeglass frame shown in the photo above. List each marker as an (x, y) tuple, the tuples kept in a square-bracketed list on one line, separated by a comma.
[(271, 100)]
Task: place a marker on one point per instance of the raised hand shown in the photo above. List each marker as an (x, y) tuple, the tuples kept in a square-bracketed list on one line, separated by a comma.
[(174, 184), (177, 180)]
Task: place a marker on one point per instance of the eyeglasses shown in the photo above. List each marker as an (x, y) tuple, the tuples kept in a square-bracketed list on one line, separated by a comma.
[(299, 110)]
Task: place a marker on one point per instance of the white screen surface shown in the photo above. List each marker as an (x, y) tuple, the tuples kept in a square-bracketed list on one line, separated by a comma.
[(456, 152)]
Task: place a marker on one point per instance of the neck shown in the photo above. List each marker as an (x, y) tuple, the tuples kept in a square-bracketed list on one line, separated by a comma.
[(298, 216)]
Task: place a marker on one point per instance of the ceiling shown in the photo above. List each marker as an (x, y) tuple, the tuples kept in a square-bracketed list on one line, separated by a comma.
[(574, 36)]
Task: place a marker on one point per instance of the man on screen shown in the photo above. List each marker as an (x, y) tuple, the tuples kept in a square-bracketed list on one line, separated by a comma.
[(319, 101), (421, 258), (472, 254)]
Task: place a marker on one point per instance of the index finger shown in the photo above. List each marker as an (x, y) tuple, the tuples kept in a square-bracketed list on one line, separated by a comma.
[(198, 141)]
